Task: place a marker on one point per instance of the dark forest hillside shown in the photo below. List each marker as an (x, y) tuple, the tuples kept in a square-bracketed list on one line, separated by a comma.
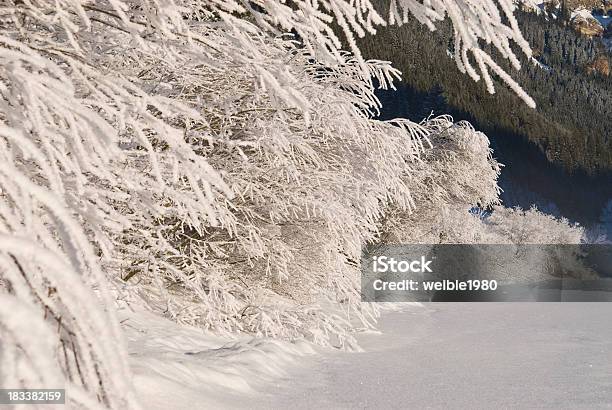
[(572, 124)]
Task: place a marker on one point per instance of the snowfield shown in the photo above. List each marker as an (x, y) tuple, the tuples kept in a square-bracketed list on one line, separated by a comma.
[(449, 355)]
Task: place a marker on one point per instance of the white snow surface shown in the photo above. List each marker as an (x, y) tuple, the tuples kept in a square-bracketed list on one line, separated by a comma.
[(182, 367), (447, 355)]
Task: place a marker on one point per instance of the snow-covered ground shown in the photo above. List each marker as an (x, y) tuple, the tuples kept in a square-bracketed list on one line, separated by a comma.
[(452, 355), (181, 367)]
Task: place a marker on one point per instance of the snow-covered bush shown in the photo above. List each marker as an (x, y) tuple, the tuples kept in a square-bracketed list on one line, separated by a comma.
[(457, 177), (530, 227), (191, 155), (309, 190), (456, 174)]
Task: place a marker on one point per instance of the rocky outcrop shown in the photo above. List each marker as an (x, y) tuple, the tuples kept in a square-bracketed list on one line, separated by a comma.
[(587, 25), (600, 65), (587, 4), (604, 5)]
